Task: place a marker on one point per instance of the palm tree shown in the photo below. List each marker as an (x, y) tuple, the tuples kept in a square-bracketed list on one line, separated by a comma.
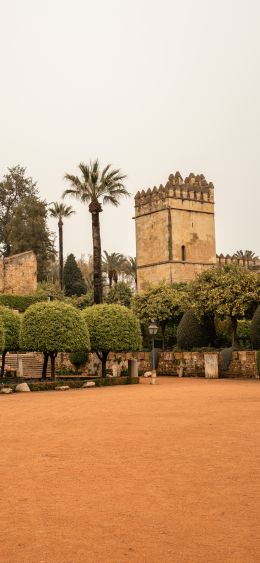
[(130, 268), (245, 255), (95, 185), (59, 211), (112, 264)]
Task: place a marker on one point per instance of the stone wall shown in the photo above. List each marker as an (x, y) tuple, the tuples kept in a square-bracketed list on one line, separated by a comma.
[(243, 363), (18, 274)]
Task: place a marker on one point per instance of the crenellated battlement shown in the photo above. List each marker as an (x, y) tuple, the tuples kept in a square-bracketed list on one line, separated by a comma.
[(192, 188), (253, 264)]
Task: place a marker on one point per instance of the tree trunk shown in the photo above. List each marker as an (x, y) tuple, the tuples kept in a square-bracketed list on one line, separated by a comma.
[(102, 356), (95, 209), (3, 363), (61, 253), (163, 327), (53, 374), (235, 344), (104, 363), (110, 279), (45, 365)]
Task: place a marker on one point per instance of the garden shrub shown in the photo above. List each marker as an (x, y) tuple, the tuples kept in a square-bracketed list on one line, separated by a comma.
[(112, 328), (11, 322), (189, 332), (255, 329), (243, 333), (53, 327), (21, 302), (78, 358), (226, 356)]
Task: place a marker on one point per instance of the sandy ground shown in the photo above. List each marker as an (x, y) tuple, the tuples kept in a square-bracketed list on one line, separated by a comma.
[(165, 473)]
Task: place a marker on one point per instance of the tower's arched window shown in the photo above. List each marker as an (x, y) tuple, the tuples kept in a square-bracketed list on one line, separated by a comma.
[(183, 253)]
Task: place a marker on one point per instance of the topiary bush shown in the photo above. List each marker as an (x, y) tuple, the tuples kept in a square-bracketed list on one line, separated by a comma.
[(21, 302), (226, 357), (53, 327), (189, 332), (255, 329), (78, 359), (112, 328), (11, 322), (243, 333)]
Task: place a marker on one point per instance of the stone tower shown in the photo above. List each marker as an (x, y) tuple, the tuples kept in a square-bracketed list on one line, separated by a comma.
[(175, 230)]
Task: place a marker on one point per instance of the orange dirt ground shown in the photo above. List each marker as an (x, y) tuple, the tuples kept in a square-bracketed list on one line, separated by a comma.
[(147, 474)]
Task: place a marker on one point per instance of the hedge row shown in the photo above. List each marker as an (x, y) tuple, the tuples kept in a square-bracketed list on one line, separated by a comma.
[(76, 383), (21, 302)]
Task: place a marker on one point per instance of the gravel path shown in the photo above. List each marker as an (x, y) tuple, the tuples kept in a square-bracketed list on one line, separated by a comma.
[(144, 474)]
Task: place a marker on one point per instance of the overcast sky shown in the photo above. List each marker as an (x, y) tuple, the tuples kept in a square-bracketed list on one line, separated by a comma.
[(150, 86)]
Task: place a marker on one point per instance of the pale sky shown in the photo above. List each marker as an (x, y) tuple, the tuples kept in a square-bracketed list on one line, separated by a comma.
[(150, 86)]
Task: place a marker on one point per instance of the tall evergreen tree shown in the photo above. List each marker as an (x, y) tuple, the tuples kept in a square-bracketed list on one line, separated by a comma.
[(27, 230), (72, 278), (14, 188)]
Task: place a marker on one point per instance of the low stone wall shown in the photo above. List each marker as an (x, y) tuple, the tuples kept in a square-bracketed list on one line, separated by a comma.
[(191, 364)]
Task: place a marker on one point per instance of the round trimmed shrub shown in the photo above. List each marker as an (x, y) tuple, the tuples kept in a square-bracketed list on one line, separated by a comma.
[(78, 359), (189, 332), (11, 323), (255, 329), (53, 327), (112, 328)]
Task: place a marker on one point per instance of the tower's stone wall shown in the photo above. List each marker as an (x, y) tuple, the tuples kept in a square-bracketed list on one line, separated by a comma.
[(18, 274), (175, 230)]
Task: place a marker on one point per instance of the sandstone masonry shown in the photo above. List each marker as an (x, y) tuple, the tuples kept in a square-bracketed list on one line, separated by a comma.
[(175, 230), (18, 274)]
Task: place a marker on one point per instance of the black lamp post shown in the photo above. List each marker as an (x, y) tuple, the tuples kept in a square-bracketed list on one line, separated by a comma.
[(153, 328)]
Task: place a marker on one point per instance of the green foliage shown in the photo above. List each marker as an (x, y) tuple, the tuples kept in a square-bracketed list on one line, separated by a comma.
[(226, 356), (227, 292), (243, 333), (223, 332), (112, 327), (255, 329), (72, 277), (2, 336), (82, 301), (189, 331), (14, 188), (28, 231), (78, 359), (77, 383), (258, 361), (53, 327), (21, 302), (11, 322), (120, 293), (163, 303)]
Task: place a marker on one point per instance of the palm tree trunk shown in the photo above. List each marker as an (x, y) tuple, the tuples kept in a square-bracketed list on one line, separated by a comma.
[(97, 269), (61, 253), (110, 279)]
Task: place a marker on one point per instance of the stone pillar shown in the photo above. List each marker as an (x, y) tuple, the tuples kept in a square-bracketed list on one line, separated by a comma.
[(132, 368), (211, 365)]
